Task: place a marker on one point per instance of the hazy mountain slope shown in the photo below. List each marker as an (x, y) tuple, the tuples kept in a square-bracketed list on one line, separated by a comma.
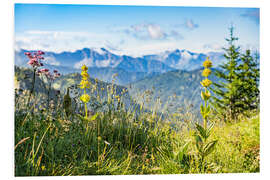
[(184, 59), (175, 89)]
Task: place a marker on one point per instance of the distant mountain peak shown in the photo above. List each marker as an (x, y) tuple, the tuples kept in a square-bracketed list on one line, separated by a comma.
[(101, 57), (176, 51), (103, 49)]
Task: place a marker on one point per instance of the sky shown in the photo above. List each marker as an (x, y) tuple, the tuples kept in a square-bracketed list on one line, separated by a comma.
[(132, 30)]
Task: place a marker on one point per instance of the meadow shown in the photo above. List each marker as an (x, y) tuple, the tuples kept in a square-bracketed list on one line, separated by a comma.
[(58, 136)]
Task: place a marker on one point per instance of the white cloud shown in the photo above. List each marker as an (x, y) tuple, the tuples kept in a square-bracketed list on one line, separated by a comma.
[(85, 61), (145, 31), (150, 48), (190, 24), (51, 60), (155, 31), (115, 41), (212, 47), (58, 41)]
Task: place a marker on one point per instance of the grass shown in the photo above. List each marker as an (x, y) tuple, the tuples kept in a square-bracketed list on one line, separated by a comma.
[(120, 141), (238, 150)]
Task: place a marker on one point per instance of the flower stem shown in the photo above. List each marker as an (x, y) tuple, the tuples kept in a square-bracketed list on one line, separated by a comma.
[(32, 88), (85, 107), (205, 117)]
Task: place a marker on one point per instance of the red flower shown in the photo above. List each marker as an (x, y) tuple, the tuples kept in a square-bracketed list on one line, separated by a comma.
[(40, 53), (40, 57), (44, 70)]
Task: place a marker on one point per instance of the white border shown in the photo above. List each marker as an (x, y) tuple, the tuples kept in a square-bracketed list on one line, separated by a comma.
[(7, 126)]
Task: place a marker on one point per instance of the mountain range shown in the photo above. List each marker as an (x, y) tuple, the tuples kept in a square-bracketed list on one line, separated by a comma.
[(169, 80), (103, 63)]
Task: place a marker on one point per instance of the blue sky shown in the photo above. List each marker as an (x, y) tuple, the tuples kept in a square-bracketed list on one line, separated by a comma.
[(132, 30)]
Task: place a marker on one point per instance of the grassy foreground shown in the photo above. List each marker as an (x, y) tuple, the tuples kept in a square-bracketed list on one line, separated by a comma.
[(118, 141)]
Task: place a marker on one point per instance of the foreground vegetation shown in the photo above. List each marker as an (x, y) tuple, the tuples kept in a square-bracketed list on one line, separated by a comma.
[(117, 141)]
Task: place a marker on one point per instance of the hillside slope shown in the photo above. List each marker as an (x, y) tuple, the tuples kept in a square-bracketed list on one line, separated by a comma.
[(175, 89)]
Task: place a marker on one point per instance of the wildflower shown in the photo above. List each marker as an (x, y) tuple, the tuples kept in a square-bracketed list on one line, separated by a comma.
[(44, 70), (203, 132), (27, 53), (118, 98), (206, 72), (43, 168), (84, 75), (206, 83), (207, 63), (85, 98), (84, 68), (40, 53), (205, 95), (84, 82), (40, 57), (34, 60), (83, 85), (55, 74)]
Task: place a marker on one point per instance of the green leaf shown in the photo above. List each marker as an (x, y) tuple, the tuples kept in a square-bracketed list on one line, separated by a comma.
[(207, 111), (201, 130), (81, 117), (94, 117), (183, 151), (202, 110), (198, 143), (208, 131), (209, 147)]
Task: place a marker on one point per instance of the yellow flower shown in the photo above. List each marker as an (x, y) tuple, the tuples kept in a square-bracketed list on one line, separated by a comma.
[(207, 63), (85, 74), (85, 98), (205, 95), (84, 84), (43, 168), (206, 82), (84, 68), (206, 72)]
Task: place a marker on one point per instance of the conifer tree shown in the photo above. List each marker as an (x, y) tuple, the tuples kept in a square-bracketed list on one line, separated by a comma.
[(237, 92), (226, 90), (249, 76)]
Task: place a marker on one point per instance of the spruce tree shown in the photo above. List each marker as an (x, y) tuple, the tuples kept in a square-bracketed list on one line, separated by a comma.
[(249, 77), (226, 90), (237, 92)]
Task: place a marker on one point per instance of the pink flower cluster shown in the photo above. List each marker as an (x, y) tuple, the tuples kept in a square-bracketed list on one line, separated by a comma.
[(34, 61), (35, 58), (49, 75)]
